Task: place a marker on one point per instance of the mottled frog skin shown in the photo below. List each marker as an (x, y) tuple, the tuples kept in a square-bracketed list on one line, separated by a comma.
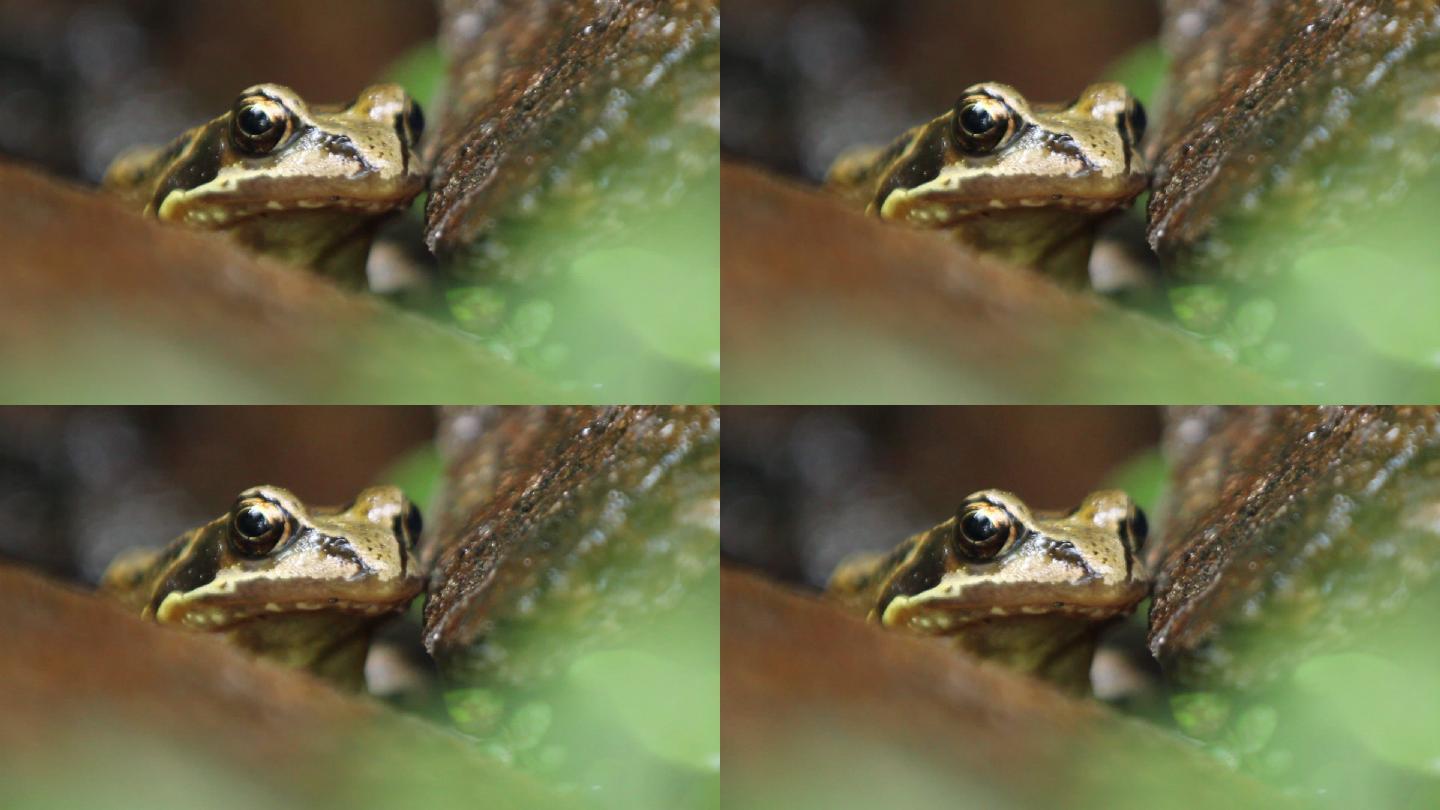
[(307, 184), (1031, 590), (1025, 182), (297, 585)]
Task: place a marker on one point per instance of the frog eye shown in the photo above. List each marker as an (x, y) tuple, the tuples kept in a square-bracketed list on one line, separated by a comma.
[(983, 530), (983, 123), (1138, 527), (414, 121), (259, 124), (257, 526)]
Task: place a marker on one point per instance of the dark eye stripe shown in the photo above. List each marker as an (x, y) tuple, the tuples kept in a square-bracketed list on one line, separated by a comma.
[(195, 166), (923, 566), (923, 163), (194, 571)]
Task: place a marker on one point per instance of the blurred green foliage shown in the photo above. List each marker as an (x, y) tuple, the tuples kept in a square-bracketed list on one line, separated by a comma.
[(417, 473), (1357, 724), (633, 316), (635, 725), (421, 72), (1346, 312), (1143, 70), (1145, 477)]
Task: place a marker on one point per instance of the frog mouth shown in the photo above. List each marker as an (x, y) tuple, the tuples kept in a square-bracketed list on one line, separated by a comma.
[(223, 604), (219, 207), (219, 216), (939, 209), (944, 613)]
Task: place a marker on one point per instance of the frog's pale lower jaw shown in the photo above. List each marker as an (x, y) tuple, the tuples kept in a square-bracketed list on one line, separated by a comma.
[(227, 215), (225, 211), (220, 610), (941, 621), (946, 211), (203, 617), (940, 616)]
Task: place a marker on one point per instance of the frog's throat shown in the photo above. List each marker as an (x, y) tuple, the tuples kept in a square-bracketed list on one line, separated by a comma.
[(329, 645), (326, 240), (1050, 647), (1055, 241)]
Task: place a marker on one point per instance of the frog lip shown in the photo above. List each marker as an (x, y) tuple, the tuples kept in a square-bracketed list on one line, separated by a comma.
[(221, 208), (1000, 601), (938, 208), (219, 606)]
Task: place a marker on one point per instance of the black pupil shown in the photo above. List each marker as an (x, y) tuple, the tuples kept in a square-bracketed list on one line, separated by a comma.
[(413, 522), (252, 522), (415, 119), (979, 527), (255, 121), (1137, 120), (976, 119)]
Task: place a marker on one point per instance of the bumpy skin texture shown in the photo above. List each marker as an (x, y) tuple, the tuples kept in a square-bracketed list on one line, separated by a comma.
[(1030, 190), (310, 190), (306, 594), (1033, 596)]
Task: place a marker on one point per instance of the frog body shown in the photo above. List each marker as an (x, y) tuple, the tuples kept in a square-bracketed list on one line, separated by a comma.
[(297, 585), (307, 184), (1028, 589), (1025, 182)]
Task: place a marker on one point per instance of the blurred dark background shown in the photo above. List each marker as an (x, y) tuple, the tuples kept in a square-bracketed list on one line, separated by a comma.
[(804, 487), (79, 484), (803, 79), (80, 80)]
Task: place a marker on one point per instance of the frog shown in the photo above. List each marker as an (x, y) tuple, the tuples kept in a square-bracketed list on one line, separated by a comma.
[(300, 586), (1029, 590), (309, 185), (1027, 183)]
